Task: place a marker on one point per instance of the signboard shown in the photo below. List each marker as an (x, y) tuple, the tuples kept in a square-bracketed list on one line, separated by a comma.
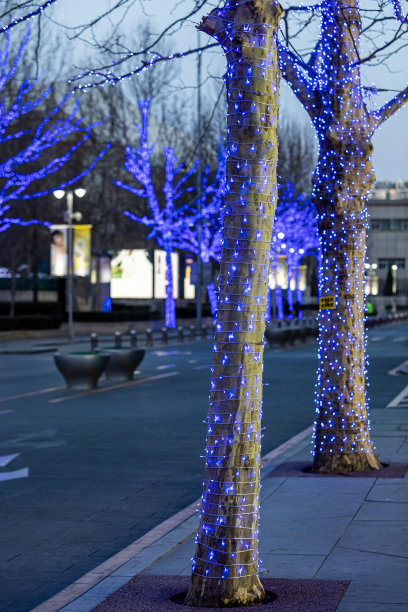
[(81, 250), (326, 301), (132, 275), (59, 250)]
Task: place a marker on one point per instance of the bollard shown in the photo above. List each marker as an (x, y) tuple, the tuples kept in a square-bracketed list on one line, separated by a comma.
[(203, 332), (180, 334), (192, 332), (133, 338), (118, 339), (94, 342), (165, 335), (149, 337)]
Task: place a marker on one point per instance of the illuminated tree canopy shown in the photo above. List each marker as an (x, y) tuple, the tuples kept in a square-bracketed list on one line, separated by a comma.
[(27, 156)]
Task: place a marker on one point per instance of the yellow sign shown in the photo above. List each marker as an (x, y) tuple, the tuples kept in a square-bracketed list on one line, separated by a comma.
[(81, 250), (327, 301)]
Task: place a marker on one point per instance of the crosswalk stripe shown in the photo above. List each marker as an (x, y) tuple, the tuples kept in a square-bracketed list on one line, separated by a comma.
[(399, 399)]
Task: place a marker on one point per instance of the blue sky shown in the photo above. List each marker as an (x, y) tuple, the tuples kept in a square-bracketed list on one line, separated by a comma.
[(390, 143)]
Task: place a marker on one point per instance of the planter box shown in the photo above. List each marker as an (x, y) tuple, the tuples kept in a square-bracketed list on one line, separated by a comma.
[(81, 370), (123, 362)]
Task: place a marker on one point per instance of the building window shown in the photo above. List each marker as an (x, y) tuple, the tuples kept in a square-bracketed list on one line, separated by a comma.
[(389, 225), (384, 264)]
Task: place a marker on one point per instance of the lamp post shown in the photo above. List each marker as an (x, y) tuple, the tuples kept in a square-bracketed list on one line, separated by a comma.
[(199, 194), (69, 217)]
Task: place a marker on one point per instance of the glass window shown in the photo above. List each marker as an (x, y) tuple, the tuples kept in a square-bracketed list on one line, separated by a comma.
[(387, 225)]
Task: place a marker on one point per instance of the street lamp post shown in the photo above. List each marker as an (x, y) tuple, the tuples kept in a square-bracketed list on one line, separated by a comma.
[(69, 217), (199, 194)]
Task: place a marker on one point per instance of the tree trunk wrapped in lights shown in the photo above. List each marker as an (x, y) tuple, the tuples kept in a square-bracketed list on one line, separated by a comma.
[(329, 86), (225, 566), (343, 178)]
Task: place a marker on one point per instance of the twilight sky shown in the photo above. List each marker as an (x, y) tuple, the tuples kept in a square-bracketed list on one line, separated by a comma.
[(390, 143)]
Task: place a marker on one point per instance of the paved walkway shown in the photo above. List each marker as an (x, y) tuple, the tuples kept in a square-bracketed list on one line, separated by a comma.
[(338, 528)]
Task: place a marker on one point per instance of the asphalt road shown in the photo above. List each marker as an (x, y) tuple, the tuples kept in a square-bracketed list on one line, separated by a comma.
[(94, 471)]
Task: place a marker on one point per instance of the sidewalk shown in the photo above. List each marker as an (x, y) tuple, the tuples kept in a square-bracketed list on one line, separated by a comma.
[(312, 527)]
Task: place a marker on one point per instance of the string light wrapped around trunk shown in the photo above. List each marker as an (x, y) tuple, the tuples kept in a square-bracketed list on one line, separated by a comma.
[(226, 565)]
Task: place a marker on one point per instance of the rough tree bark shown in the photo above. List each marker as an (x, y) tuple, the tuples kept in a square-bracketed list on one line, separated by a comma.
[(329, 87), (343, 178), (225, 567)]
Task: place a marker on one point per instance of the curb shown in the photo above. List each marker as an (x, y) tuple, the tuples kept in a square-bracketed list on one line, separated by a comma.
[(92, 588)]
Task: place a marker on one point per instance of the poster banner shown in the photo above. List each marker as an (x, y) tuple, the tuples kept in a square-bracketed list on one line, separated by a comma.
[(132, 274), (59, 250), (81, 250)]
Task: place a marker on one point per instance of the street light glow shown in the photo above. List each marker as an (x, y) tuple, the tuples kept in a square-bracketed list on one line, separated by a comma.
[(80, 192), (59, 194)]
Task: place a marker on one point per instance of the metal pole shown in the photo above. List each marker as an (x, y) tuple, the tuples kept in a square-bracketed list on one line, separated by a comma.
[(199, 192), (70, 279)]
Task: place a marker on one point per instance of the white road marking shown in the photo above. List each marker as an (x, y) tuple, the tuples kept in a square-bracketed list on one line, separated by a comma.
[(202, 367), (399, 399), (5, 460), (397, 371), (166, 366), (57, 400), (376, 339), (192, 361), (167, 353), (36, 440), (400, 339), (5, 411), (23, 473), (30, 393)]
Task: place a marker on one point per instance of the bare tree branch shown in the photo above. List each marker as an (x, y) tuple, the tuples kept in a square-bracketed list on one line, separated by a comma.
[(16, 21), (300, 84), (114, 78), (391, 107)]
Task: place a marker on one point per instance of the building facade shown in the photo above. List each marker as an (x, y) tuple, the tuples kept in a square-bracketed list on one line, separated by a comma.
[(387, 245)]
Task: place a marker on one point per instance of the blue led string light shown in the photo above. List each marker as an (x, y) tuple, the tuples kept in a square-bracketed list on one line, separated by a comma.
[(172, 225), (330, 89), (226, 543), (27, 17), (295, 234), (25, 167)]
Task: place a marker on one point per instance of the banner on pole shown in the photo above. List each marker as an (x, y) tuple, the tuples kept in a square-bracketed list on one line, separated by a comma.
[(81, 250)]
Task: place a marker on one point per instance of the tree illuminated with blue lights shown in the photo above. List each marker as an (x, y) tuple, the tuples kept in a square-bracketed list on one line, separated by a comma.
[(28, 151), (329, 84), (295, 235), (166, 221)]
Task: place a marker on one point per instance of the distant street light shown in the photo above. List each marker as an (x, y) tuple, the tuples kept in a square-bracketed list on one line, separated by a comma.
[(69, 217)]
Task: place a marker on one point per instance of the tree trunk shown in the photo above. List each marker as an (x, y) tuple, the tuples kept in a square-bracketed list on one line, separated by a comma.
[(289, 292), (170, 302), (342, 438), (279, 303), (212, 298), (343, 178), (225, 566)]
